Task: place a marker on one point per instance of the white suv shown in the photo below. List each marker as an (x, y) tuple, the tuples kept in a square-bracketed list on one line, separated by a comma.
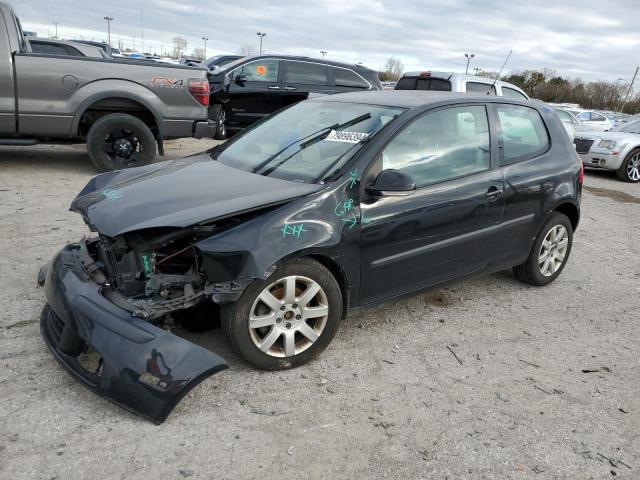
[(454, 82)]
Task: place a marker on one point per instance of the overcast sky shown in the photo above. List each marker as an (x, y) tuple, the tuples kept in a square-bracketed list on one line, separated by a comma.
[(591, 39)]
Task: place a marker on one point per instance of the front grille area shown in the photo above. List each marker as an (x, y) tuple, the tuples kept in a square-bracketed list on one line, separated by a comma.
[(583, 145)]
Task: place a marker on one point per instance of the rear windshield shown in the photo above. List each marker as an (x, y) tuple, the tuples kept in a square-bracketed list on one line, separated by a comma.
[(423, 83)]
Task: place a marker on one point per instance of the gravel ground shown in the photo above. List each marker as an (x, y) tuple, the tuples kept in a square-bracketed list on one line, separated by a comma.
[(485, 379)]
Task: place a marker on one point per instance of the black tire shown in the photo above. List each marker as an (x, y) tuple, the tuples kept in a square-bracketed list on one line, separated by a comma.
[(118, 141), (235, 317), (219, 116), (623, 171), (530, 271)]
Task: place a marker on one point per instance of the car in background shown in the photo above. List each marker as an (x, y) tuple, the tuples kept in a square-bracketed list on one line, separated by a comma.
[(570, 123), (102, 45), (593, 119), (251, 88), (389, 85), (51, 46), (617, 150), (219, 61), (454, 82)]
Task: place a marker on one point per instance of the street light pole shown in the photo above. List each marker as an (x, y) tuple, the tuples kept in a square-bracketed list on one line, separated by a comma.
[(323, 53), (108, 19), (469, 56), (205, 47), (56, 24), (261, 35), (633, 80)]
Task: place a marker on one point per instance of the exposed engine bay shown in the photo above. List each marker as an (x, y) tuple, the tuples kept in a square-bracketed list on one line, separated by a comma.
[(157, 271)]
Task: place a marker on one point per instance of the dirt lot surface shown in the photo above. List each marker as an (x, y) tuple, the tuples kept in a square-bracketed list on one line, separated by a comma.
[(486, 379)]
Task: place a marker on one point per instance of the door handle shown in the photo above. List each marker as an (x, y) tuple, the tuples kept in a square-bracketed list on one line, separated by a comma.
[(493, 192), (273, 87), (290, 88)]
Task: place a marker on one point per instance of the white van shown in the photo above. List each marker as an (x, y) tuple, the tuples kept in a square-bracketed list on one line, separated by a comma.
[(454, 82)]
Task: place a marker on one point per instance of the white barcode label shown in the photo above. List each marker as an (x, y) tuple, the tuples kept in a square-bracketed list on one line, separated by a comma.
[(347, 137)]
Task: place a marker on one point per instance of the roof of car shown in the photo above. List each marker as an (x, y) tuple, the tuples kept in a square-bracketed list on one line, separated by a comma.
[(312, 59), (408, 98)]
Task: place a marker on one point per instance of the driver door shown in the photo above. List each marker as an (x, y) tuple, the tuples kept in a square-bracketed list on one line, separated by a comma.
[(449, 225)]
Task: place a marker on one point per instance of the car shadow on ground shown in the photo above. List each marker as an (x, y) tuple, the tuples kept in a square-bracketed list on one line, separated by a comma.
[(48, 158)]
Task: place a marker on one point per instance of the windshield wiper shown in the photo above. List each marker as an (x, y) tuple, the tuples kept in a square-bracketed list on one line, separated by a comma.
[(315, 137), (330, 168)]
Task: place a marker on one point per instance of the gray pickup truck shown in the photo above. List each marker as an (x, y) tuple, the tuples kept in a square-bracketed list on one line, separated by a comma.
[(120, 108)]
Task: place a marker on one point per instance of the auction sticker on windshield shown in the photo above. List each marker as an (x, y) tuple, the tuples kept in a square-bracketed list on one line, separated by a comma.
[(347, 137)]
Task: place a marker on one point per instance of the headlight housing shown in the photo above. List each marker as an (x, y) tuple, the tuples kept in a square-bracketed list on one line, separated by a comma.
[(607, 144)]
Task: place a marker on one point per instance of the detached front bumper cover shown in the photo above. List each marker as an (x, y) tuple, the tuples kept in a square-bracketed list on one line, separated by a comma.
[(141, 367)]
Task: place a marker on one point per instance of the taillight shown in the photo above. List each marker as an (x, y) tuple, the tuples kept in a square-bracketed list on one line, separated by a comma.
[(199, 89), (581, 174)]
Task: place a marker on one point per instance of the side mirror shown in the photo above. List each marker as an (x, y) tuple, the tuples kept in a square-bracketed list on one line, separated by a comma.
[(392, 183), (241, 79)]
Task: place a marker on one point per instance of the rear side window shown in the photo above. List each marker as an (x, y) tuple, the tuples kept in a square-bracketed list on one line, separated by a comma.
[(424, 83), (48, 49), (347, 78), (305, 73), (511, 93), (522, 134), (483, 88)]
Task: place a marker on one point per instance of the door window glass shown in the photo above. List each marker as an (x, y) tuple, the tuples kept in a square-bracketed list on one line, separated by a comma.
[(511, 93), (483, 88), (522, 133), (346, 78), (441, 145), (306, 73), (48, 49), (260, 71)]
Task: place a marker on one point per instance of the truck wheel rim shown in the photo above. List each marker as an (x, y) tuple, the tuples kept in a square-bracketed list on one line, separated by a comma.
[(122, 147), (222, 120), (633, 168), (553, 250), (288, 316)]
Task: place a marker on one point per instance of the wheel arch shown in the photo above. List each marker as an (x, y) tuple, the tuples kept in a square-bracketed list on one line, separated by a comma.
[(570, 210)]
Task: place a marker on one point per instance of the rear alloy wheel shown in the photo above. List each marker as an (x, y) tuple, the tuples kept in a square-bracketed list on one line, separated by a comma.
[(219, 116), (118, 141), (287, 320), (629, 171), (550, 252)]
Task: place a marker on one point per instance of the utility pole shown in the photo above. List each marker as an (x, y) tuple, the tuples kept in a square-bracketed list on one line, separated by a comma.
[(469, 56), (142, 31), (323, 53), (56, 24), (261, 35), (205, 47), (629, 91), (108, 19)]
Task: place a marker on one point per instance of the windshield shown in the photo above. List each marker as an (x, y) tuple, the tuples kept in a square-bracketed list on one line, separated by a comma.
[(307, 142)]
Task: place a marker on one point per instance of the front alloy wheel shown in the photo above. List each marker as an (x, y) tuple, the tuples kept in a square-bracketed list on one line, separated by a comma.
[(288, 316), (630, 168), (286, 320)]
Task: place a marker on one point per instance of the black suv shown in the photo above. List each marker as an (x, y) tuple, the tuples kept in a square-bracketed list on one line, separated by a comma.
[(251, 88)]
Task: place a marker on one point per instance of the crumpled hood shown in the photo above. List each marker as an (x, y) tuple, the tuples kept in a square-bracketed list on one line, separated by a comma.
[(177, 193)]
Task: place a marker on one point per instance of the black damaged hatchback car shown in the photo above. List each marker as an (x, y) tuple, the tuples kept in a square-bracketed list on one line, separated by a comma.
[(333, 204)]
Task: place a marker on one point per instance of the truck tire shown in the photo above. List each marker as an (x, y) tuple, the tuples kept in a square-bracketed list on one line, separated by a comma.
[(219, 116), (118, 141)]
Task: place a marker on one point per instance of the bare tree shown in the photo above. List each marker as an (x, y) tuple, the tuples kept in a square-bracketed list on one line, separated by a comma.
[(247, 50), (392, 70), (198, 53), (179, 46)]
